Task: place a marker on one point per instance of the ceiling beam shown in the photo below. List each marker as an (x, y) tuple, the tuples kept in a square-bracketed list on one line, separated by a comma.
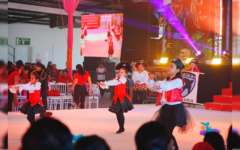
[(41, 9), (28, 19)]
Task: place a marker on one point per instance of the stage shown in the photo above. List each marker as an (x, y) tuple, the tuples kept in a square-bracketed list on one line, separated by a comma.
[(104, 124)]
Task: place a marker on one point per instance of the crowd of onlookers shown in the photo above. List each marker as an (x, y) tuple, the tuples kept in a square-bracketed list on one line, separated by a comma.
[(51, 134)]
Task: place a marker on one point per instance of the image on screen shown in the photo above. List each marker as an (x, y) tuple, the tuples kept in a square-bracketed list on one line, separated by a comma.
[(101, 35)]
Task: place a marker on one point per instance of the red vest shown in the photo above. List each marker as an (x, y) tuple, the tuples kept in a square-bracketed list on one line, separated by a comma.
[(34, 98), (120, 92), (174, 95)]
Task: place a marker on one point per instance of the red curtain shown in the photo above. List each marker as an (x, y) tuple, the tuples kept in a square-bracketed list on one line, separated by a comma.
[(69, 7)]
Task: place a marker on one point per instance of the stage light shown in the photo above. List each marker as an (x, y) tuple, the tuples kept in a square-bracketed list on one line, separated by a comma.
[(235, 61), (199, 53), (224, 52), (188, 60), (216, 61), (163, 60)]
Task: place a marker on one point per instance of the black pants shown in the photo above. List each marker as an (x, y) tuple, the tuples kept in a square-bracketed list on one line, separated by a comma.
[(137, 93), (31, 118), (44, 99), (101, 90), (174, 140), (10, 100), (120, 119), (80, 93)]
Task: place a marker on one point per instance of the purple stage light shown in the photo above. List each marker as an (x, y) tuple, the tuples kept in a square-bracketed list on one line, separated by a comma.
[(199, 53), (224, 52)]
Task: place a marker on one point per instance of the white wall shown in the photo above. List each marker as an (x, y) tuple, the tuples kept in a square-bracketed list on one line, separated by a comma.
[(47, 40)]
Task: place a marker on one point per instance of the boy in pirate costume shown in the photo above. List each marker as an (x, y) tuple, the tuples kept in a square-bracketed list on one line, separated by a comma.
[(121, 101), (140, 78)]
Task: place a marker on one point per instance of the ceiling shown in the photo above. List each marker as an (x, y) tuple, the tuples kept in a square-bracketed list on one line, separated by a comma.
[(16, 15)]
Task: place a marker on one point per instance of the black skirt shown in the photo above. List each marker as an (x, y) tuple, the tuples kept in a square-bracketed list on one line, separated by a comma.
[(175, 115), (119, 107), (28, 109)]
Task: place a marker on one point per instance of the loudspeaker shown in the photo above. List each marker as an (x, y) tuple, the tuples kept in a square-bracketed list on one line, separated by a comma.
[(53, 21), (91, 63), (138, 27)]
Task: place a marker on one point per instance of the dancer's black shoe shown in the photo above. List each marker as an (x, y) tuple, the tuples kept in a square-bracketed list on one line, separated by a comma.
[(120, 131)]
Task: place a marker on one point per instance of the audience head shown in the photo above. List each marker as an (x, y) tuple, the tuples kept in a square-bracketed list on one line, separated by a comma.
[(202, 146), (215, 139), (10, 65), (100, 65), (233, 139), (20, 63), (153, 135), (65, 73), (60, 72), (34, 66), (54, 66), (47, 134), (26, 70), (80, 69), (49, 65), (91, 143), (39, 66)]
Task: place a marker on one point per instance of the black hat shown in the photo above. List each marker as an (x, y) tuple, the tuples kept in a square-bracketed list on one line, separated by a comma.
[(194, 61), (142, 62), (123, 64), (178, 63)]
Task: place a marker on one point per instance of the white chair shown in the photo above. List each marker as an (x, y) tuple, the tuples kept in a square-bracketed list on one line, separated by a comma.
[(53, 86), (66, 100), (69, 88), (62, 88), (91, 100), (93, 97), (54, 101)]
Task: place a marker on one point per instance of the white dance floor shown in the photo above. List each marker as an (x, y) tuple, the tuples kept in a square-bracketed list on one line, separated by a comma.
[(104, 124)]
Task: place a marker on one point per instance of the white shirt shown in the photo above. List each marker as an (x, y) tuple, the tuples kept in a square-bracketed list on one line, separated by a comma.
[(30, 87), (101, 76), (114, 82), (165, 85), (143, 77)]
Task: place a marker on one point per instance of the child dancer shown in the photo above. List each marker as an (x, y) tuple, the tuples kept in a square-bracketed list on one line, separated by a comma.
[(121, 101), (173, 112), (110, 48), (34, 104)]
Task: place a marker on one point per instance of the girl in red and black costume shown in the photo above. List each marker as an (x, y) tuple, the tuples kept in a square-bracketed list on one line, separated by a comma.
[(172, 113), (34, 104), (110, 47), (121, 101)]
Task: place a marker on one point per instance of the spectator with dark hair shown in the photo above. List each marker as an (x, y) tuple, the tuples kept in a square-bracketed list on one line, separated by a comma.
[(80, 81), (215, 139), (233, 139), (26, 74), (47, 134), (13, 79), (20, 62), (34, 66), (64, 78), (91, 143), (54, 73), (10, 65), (153, 135), (49, 66)]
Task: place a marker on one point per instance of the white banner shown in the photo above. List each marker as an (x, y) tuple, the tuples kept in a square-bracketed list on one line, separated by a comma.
[(190, 88)]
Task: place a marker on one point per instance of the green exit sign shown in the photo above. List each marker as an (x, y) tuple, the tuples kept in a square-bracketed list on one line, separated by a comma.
[(22, 41)]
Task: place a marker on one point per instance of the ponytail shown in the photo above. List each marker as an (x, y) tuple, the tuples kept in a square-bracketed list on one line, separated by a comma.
[(80, 69)]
